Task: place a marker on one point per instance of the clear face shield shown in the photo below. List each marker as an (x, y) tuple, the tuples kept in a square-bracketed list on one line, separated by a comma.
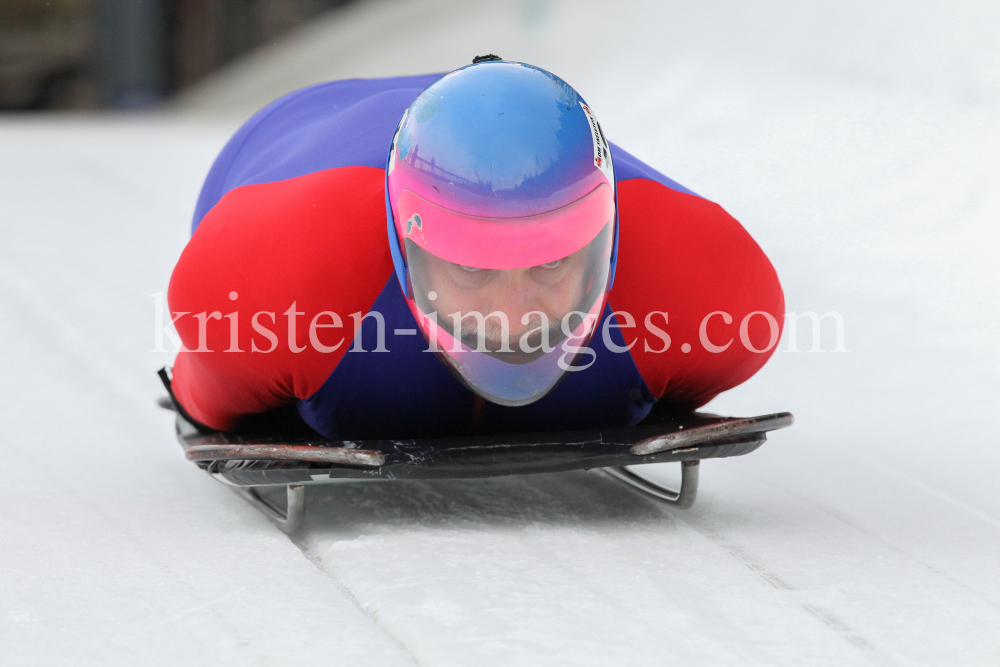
[(511, 312)]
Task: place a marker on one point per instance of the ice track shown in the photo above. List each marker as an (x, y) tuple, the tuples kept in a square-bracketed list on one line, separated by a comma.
[(859, 145)]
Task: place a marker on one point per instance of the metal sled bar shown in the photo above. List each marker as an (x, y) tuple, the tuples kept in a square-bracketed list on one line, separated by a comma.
[(288, 520), (682, 499), (680, 439), (337, 455)]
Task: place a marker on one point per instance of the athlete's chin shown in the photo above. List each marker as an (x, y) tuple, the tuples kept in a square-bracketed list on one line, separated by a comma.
[(516, 349)]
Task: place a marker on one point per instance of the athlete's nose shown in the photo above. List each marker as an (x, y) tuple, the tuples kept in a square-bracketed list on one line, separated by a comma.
[(520, 295)]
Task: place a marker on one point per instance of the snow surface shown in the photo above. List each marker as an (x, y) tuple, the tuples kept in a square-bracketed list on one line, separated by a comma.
[(859, 144)]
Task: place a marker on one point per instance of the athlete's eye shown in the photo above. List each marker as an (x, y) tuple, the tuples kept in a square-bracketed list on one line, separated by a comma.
[(470, 269), (552, 265)]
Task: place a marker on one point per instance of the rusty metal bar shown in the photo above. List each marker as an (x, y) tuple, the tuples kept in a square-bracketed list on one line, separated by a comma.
[(336, 455), (681, 439)]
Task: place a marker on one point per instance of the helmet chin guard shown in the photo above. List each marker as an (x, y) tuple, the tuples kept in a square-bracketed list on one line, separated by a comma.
[(502, 224)]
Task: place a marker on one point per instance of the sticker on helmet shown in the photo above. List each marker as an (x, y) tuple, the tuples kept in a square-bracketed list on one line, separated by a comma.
[(414, 220), (602, 152)]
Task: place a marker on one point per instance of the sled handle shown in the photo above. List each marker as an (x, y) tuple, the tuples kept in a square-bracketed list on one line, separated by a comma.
[(729, 427)]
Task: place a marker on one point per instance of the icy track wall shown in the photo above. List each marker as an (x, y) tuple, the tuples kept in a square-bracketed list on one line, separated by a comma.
[(857, 143)]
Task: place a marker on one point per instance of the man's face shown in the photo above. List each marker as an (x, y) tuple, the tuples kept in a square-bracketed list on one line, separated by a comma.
[(534, 300)]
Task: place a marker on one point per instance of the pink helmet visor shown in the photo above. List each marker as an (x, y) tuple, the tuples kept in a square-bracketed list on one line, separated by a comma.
[(503, 243)]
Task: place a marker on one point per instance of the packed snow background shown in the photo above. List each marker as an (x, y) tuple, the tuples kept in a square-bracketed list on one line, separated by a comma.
[(858, 142)]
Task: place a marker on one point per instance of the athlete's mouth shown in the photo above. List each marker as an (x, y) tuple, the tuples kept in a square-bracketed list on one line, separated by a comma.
[(526, 345)]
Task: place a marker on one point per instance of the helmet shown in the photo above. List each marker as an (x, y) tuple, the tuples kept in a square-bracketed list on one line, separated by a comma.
[(500, 197)]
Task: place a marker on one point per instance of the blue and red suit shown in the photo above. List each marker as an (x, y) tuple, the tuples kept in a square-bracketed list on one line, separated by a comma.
[(291, 224)]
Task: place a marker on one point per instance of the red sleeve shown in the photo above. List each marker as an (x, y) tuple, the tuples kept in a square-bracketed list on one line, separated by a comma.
[(317, 240), (683, 255)]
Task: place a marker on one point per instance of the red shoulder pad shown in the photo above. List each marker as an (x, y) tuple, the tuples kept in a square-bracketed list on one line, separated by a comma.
[(685, 256), (317, 241)]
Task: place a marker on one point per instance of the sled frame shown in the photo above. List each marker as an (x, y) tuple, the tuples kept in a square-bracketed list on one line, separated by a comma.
[(290, 518), (263, 461), (683, 498)]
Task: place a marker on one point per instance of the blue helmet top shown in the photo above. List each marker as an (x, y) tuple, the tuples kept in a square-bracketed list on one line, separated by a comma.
[(501, 139), (496, 139)]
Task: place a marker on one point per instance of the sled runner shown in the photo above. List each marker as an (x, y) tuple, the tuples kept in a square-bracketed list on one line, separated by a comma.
[(278, 450)]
